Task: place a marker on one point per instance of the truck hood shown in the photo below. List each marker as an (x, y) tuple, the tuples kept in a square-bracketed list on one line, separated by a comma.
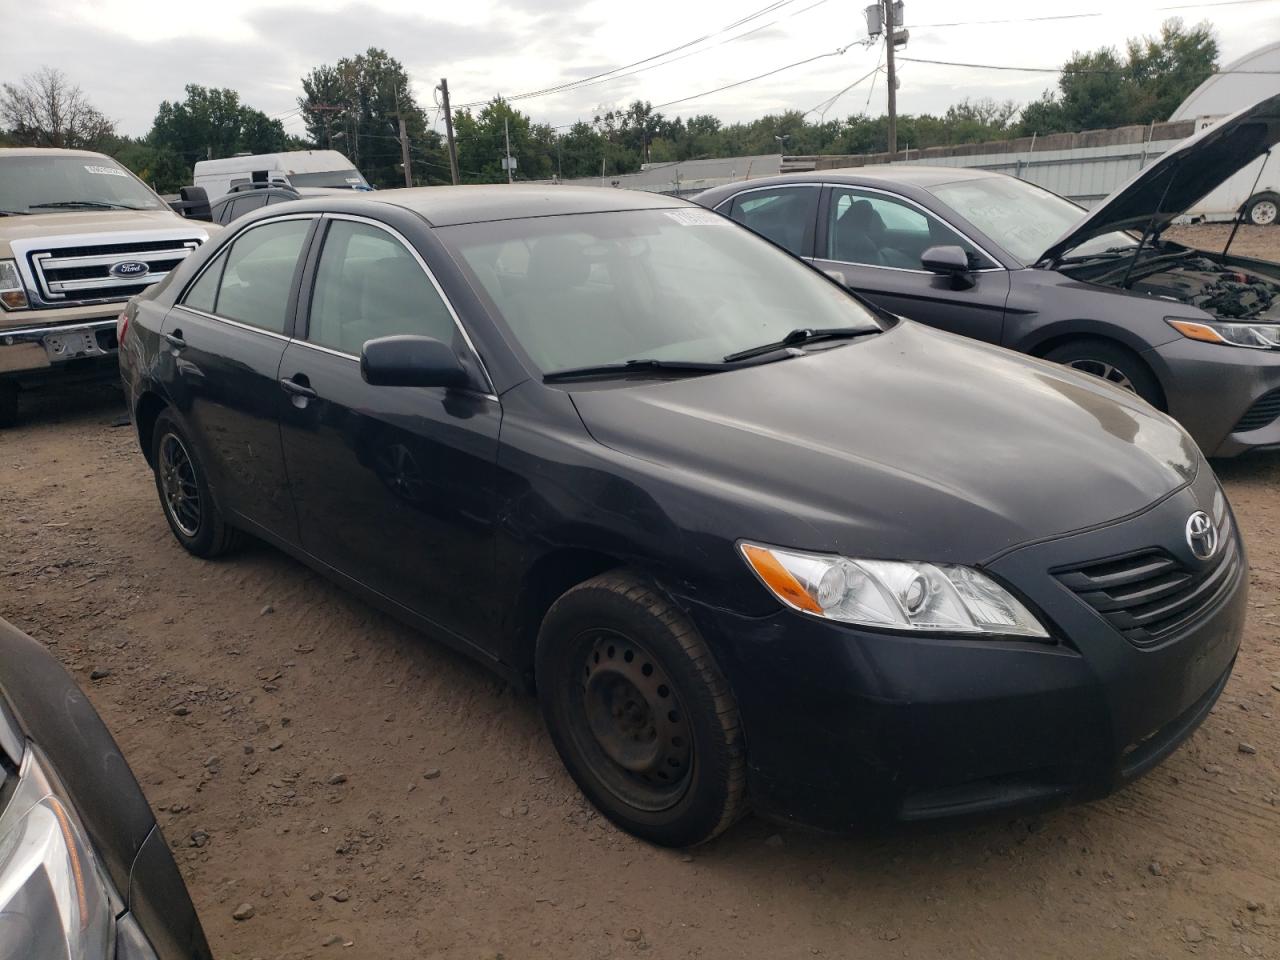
[(913, 444), (1180, 177), (37, 226)]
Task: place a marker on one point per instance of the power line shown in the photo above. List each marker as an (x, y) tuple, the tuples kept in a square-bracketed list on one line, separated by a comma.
[(1084, 16), (610, 74), (823, 106), (1071, 70)]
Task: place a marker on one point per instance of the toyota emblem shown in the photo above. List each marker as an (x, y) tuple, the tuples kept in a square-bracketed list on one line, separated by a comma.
[(1202, 535)]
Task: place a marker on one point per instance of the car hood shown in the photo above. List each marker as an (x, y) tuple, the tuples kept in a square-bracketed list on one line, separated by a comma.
[(913, 444), (37, 226), (1180, 177)]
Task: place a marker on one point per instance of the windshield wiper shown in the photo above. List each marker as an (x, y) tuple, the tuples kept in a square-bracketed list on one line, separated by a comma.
[(799, 336), (95, 204), (14, 213), (628, 367), (1108, 254)]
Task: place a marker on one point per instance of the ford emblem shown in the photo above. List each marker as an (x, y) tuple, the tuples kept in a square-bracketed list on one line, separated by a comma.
[(130, 269)]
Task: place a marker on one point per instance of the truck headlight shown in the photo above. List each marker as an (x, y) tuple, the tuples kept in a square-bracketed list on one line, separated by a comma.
[(1256, 336), (928, 597), (13, 295), (54, 901)]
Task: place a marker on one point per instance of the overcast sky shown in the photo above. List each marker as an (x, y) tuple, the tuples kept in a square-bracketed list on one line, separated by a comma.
[(129, 55)]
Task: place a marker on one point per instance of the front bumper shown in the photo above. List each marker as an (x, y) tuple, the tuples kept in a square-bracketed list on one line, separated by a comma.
[(33, 353), (845, 725), (1210, 387)]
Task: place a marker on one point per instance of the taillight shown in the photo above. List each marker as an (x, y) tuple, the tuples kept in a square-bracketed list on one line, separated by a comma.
[(122, 327)]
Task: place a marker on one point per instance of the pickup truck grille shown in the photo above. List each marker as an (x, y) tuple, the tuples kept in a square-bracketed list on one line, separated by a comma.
[(1150, 595), (93, 273)]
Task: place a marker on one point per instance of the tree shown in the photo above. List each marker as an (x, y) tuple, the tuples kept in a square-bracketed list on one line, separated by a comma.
[(354, 106), (1104, 89), (45, 109), (482, 144), (212, 123)]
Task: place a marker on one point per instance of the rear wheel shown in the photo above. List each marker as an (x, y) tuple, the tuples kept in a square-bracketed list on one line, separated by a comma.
[(1111, 362), (8, 403), (1263, 210), (188, 506), (640, 713)]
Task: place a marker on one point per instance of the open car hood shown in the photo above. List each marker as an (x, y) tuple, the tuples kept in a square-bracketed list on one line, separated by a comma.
[(1180, 177)]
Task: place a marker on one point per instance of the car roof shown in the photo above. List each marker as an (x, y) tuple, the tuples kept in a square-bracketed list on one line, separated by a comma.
[(887, 174), (448, 206), (49, 152)]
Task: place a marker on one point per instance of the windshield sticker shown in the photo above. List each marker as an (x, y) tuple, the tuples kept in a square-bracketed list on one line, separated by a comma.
[(106, 171), (696, 218)]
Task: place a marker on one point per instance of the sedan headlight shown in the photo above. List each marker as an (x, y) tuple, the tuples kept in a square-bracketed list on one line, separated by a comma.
[(1256, 336), (928, 597), (53, 900), (13, 295)]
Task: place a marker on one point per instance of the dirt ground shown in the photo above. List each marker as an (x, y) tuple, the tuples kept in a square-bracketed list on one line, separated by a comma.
[(361, 787)]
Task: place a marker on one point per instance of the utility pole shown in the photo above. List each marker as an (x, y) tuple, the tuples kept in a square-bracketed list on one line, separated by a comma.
[(890, 29), (404, 144), (506, 132), (448, 128)]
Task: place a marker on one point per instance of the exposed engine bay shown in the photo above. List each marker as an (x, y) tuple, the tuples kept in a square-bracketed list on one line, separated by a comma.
[(1232, 288)]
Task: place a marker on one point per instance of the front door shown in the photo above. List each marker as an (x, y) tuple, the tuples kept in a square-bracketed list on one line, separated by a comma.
[(225, 338), (873, 240), (393, 485)]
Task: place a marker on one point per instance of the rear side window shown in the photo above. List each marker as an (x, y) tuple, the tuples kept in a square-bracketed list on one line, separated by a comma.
[(785, 215), (251, 281), (368, 286)]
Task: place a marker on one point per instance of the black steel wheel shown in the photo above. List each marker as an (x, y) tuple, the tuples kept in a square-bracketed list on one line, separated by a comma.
[(188, 506), (639, 711)]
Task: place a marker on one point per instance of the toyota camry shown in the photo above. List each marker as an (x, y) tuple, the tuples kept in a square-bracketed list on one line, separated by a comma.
[(754, 542)]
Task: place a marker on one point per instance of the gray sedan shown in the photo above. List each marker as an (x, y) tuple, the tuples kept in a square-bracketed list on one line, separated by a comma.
[(988, 256)]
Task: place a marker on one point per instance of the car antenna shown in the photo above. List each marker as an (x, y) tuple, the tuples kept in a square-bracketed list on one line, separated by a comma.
[(1252, 190), (1151, 227)]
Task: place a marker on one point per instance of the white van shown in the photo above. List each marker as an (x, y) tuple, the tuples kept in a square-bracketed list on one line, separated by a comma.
[(297, 168)]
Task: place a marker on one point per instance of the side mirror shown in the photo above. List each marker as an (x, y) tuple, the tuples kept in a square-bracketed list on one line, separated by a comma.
[(193, 203), (949, 261), (406, 361)]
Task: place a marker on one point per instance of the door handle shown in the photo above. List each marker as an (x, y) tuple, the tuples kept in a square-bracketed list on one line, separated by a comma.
[(175, 340), (297, 386)]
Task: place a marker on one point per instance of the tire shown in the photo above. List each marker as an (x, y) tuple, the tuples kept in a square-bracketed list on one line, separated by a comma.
[(1263, 209), (642, 717), (1109, 361), (8, 404), (181, 484)]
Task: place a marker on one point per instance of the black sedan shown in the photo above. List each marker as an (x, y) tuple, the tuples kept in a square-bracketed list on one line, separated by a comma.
[(85, 872), (752, 540), (988, 256)]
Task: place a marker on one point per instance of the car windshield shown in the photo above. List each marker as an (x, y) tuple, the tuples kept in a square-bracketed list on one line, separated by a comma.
[(1021, 217), (679, 285), (346, 179), (55, 183)]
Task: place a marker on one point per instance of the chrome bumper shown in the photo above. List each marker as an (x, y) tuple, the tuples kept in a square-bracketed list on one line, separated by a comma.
[(38, 348)]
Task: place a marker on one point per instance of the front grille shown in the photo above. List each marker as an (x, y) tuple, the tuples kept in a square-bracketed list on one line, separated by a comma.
[(1262, 414), (1150, 595), (71, 275)]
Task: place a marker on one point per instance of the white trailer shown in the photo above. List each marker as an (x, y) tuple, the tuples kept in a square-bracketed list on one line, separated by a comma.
[(296, 168)]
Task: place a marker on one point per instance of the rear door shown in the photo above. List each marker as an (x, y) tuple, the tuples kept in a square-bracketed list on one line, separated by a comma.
[(393, 485), (873, 240), (787, 215), (222, 343)]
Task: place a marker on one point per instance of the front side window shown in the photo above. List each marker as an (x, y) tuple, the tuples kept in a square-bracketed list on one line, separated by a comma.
[(251, 281), (785, 215), (673, 285), (368, 285), (881, 231)]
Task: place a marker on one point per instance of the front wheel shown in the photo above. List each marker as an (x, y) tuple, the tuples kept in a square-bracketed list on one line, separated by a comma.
[(640, 713), (1111, 362), (194, 518), (1263, 209)]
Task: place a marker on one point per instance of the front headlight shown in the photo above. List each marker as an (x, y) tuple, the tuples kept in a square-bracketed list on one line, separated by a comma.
[(937, 598), (1256, 336), (13, 295), (53, 899)]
